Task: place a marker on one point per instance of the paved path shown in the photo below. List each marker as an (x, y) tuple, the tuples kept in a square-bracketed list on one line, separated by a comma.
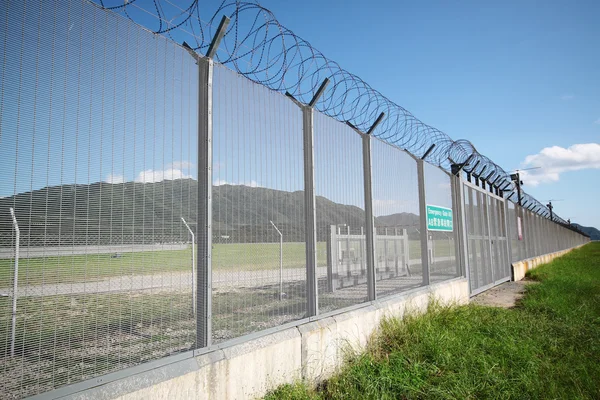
[(175, 281), (505, 295)]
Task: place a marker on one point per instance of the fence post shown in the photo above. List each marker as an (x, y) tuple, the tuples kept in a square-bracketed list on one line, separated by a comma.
[(423, 218), (15, 294), (310, 212), (332, 259), (204, 205), (370, 222), (505, 212), (461, 229), (204, 227), (406, 251), (310, 218)]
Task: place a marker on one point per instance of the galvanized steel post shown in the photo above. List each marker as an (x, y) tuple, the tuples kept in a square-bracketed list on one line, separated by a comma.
[(423, 218), (310, 219), (370, 222), (204, 226), (204, 205), (312, 306), (462, 238)]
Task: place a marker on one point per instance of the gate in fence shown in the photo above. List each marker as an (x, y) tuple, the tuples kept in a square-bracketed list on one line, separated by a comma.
[(487, 242)]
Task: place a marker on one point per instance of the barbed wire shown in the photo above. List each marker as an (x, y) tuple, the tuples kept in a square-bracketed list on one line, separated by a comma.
[(257, 46)]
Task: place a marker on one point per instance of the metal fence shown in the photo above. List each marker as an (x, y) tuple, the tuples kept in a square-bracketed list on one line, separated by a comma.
[(165, 202)]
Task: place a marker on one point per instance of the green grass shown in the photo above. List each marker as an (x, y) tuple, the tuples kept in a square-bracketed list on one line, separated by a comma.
[(547, 347), (93, 267), (226, 257)]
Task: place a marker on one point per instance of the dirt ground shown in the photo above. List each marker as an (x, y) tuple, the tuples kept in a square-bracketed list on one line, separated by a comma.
[(505, 295)]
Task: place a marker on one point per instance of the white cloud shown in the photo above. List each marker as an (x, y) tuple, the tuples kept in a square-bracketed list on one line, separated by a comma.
[(114, 178), (220, 182), (556, 160), (567, 97), (174, 170), (151, 176), (181, 165)]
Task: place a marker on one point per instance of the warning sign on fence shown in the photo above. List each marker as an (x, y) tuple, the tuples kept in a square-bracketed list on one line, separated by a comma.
[(439, 218)]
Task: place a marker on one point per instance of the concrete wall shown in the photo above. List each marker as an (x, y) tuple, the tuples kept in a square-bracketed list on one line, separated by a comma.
[(520, 268), (313, 350)]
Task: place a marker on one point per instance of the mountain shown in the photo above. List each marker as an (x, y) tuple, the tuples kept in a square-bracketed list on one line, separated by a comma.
[(135, 212), (590, 230), (401, 219)]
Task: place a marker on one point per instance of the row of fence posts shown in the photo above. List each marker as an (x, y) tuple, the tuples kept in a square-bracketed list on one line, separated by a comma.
[(205, 156), (205, 181)]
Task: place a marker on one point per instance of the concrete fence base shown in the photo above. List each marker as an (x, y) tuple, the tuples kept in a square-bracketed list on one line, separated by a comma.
[(520, 268), (311, 351)]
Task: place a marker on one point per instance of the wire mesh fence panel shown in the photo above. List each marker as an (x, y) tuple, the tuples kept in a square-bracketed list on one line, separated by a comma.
[(440, 220), (95, 155), (472, 256), (502, 266), (513, 231), (99, 223), (341, 267), (259, 261), (531, 250), (478, 237), (397, 221)]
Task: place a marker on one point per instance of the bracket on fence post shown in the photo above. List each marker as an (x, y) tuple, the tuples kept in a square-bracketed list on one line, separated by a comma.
[(310, 218), (204, 205), (332, 259), (455, 168), (369, 219)]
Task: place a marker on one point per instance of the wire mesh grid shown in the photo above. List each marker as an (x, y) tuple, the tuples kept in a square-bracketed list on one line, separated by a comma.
[(397, 221), (99, 156), (340, 215), (480, 273), (259, 261), (513, 232), (96, 155)]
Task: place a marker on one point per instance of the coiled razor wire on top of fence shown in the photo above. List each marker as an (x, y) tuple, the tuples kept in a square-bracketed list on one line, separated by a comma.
[(257, 46)]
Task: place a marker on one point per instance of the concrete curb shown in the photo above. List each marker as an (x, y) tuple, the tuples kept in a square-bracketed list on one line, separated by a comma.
[(520, 268), (311, 351)]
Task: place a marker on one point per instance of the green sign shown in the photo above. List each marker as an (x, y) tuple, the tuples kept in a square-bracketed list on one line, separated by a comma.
[(439, 218)]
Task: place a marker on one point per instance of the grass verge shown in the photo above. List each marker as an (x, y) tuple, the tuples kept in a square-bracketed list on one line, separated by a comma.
[(546, 347)]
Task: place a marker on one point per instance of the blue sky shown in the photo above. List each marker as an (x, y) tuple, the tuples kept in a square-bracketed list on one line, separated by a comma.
[(514, 77)]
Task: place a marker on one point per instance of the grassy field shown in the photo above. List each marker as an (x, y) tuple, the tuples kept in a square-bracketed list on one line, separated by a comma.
[(547, 347), (92, 267), (226, 257)]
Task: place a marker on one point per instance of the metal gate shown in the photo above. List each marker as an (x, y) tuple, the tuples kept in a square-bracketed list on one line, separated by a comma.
[(487, 244)]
